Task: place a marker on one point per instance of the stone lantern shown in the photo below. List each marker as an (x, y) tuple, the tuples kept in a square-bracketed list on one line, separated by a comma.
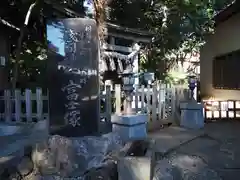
[(149, 77), (128, 82), (192, 85), (130, 125), (191, 111)]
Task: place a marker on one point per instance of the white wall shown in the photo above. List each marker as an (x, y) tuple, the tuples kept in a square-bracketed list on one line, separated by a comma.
[(226, 39)]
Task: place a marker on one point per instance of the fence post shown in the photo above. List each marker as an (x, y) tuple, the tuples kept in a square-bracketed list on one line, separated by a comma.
[(118, 98), (168, 102), (28, 98), (164, 102), (142, 99), (108, 104), (179, 96), (159, 102), (148, 99), (8, 105), (39, 104), (173, 101), (136, 94), (154, 103), (18, 102)]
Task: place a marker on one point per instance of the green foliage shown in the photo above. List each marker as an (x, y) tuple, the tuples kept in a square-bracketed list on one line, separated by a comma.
[(129, 13), (179, 28), (33, 59)]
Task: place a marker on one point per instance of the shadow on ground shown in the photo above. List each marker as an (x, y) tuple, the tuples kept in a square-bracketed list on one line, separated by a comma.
[(213, 156)]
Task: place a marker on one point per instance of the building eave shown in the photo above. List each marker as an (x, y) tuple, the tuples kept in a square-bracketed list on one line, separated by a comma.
[(227, 13), (128, 30)]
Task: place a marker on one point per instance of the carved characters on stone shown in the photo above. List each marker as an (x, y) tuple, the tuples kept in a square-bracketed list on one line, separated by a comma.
[(73, 114)]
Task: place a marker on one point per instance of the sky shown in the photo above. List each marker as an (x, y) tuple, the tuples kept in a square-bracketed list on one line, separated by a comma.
[(88, 4), (54, 34)]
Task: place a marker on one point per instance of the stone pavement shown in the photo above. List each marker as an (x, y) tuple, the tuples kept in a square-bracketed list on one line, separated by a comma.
[(213, 153), (168, 139)]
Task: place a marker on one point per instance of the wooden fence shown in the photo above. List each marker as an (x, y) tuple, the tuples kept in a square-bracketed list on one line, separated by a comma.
[(23, 106), (159, 101)]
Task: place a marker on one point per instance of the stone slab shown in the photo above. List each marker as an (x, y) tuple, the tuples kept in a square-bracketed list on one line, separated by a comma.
[(217, 155), (212, 156), (6, 130), (129, 120), (16, 143), (9, 161), (138, 167), (170, 138)]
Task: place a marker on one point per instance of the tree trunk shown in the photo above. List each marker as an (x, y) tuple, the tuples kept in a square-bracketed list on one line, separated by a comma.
[(19, 45), (4, 56)]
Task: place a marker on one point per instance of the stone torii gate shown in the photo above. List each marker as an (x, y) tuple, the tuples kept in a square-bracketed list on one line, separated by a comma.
[(131, 61), (121, 48)]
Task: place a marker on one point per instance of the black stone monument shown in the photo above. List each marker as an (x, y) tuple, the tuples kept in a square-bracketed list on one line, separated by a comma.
[(73, 77)]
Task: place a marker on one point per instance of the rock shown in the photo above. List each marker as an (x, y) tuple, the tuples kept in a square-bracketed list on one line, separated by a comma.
[(181, 166), (4, 174), (72, 157), (11, 174), (15, 176), (25, 167), (57, 156), (107, 172), (28, 151), (43, 159), (33, 176), (65, 154)]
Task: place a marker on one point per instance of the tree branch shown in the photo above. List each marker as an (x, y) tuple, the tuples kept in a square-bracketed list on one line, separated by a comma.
[(19, 45)]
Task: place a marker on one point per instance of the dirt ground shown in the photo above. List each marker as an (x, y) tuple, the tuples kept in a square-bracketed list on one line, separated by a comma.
[(212, 156)]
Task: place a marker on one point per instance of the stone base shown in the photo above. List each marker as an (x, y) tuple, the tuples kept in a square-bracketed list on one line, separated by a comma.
[(137, 167), (130, 127), (192, 115), (7, 130)]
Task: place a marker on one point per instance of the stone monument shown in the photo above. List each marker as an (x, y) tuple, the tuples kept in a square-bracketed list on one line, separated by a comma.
[(73, 77)]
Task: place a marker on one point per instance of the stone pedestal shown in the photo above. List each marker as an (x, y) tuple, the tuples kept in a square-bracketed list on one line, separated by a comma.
[(130, 127), (192, 115)]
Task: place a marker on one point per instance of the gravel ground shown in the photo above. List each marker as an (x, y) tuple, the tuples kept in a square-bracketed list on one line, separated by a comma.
[(215, 156)]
